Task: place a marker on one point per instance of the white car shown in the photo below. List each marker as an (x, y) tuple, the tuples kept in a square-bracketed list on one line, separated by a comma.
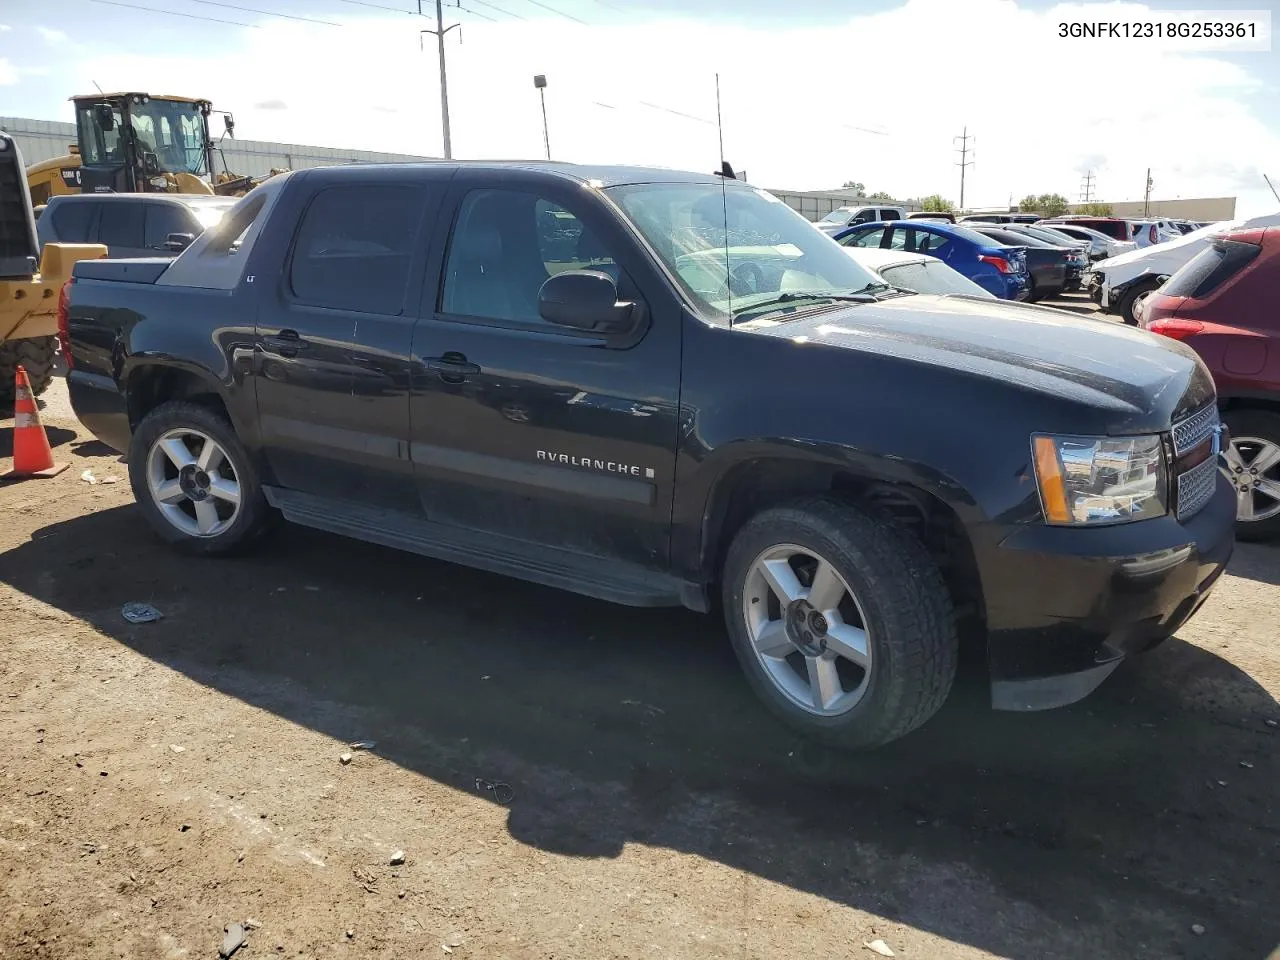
[(1101, 246), (917, 272), (846, 216), (1120, 283)]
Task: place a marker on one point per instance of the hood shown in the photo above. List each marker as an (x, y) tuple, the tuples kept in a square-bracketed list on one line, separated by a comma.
[(1167, 257), (1141, 382)]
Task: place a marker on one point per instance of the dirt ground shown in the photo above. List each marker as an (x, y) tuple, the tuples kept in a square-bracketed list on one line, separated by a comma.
[(568, 779)]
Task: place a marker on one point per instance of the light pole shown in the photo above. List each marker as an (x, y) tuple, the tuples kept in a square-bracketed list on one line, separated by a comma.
[(540, 81)]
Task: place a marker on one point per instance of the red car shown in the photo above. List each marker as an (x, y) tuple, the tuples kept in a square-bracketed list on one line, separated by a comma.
[(1225, 304)]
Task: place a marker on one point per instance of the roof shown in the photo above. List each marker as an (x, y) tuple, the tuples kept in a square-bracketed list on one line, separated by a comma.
[(137, 93), (198, 199), (597, 174)]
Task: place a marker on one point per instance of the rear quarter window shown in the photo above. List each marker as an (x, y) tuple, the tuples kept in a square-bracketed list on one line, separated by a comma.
[(1210, 268), (73, 220)]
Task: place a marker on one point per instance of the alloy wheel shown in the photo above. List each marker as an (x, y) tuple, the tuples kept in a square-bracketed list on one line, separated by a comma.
[(807, 630), (1253, 467), (193, 482)]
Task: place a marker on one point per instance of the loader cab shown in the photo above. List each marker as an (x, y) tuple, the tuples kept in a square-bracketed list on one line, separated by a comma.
[(137, 143)]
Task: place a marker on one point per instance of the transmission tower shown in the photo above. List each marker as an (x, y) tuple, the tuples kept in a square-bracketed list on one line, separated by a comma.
[(965, 153), (1086, 188)]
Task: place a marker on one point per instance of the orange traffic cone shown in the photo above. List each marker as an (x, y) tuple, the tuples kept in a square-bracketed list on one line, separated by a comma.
[(31, 454)]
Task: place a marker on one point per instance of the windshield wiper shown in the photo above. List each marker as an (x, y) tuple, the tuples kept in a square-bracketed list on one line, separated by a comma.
[(863, 295)]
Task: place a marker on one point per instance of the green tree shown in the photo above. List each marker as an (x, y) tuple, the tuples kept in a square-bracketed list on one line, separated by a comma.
[(937, 203), (879, 195), (854, 186), (1095, 209), (1050, 204)]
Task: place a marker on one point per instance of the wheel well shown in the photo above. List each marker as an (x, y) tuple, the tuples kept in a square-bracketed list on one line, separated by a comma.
[(760, 484), (151, 386), (1249, 403)]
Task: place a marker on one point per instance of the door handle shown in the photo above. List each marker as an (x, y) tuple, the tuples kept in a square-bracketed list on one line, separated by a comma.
[(452, 367), (286, 343)]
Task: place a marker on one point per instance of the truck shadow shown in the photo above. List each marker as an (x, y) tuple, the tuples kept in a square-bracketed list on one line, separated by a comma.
[(1257, 561), (57, 437), (616, 726)]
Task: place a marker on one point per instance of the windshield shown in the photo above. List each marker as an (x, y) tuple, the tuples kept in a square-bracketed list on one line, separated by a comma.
[(173, 130), (1051, 236), (931, 276), (734, 248), (837, 216)]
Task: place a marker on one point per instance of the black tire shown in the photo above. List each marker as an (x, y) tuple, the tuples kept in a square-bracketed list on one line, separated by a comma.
[(1264, 425), (1033, 295), (255, 518), (906, 608), (36, 355), (1124, 308)]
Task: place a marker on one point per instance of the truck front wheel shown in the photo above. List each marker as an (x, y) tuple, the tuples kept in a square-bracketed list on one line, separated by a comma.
[(35, 354), (840, 620), (193, 481)]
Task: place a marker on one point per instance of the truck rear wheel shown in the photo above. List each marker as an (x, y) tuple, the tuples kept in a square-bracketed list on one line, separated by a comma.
[(35, 354), (194, 482), (840, 620)]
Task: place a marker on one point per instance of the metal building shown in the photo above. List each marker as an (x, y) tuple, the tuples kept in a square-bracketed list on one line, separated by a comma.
[(45, 139)]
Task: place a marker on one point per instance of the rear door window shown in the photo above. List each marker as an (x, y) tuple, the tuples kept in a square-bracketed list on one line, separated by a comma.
[(121, 224), (164, 219), (355, 247), (74, 220), (886, 214)]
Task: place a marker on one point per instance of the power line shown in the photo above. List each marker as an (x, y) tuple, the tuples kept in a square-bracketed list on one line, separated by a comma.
[(376, 6), (687, 116), (567, 16), (475, 13), (267, 13), (493, 6), (175, 13), (964, 139)]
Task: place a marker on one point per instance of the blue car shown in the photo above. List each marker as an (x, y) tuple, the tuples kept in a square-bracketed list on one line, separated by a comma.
[(999, 269)]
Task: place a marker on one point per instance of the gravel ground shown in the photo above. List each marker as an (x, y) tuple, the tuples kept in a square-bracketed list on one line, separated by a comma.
[(570, 779)]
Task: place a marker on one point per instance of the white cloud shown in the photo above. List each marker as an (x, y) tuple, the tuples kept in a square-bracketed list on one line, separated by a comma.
[(792, 98), (8, 72), (5, 27), (51, 35)]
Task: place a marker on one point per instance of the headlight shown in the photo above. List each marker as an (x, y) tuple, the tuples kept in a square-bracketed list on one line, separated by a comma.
[(1100, 479)]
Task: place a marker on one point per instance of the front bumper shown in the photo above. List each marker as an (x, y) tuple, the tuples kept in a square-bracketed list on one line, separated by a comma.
[(100, 406), (1066, 605)]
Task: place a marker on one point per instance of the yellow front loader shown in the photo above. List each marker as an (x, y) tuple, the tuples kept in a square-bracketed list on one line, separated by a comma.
[(136, 143), (28, 296)]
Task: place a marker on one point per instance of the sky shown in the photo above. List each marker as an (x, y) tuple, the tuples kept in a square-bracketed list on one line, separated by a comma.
[(813, 93)]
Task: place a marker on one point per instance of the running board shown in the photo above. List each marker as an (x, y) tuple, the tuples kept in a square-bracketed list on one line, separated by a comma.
[(597, 577)]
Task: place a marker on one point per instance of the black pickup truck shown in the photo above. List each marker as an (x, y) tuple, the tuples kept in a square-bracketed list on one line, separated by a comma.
[(668, 389)]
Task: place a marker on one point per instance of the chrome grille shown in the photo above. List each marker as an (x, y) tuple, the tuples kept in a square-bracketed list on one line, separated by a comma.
[(1195, 487), (1195, 430)]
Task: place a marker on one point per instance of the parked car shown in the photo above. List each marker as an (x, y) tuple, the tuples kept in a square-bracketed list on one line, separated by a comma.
[(845, 216), (130, 224), (917, 272), (1101, 245), (1077, 260), (1222, 304), (844, 471), (1117, 284), (932, 215), (1048, 266), (999, 269), (1000, 218), (1112, 227)]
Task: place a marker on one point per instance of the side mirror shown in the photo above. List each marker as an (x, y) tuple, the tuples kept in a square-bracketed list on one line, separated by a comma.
[(177, 242), (106, 116), (150, 163), (585, 300), (229, 125)]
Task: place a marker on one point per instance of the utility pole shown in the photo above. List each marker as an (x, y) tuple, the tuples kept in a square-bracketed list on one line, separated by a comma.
[(1146, 197), (1086, 188), (439, 33), (964, 139)]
